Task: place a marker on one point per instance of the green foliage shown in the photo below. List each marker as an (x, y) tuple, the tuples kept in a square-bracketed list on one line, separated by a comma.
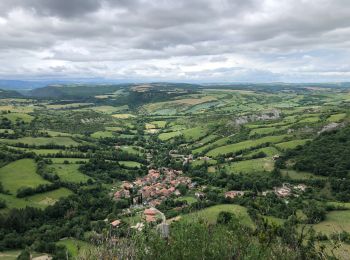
[(24, 255), (327, 155), (314, 212)]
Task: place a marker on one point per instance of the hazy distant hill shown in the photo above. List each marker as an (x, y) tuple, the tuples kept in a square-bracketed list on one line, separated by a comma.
[(9, 94), (75, 91), (82, 91)]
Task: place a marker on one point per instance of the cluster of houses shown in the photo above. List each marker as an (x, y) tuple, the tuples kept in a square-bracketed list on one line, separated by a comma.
[(287, 190), (155, 187)]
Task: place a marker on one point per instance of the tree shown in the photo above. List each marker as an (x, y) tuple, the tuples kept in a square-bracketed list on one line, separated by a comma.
[(24, 255), (182, 188), (314, 212), (225, 217)]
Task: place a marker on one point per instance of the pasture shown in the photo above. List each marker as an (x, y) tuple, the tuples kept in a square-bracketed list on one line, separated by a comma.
[(210, 214), (19, 116), (233, 148), (21, 173), (195, 133), (168, 135), (109, 109), (42, 200), (335, 222), (219, 142), (268, 130), (132, 150), (69, 160), (159, 123), (102, 134), (69, 173), (250, 166), (291, 144), (336, 117), (42, 152), (130, 164), (269, 151), (295, 175), (65, 141), (123, 116)]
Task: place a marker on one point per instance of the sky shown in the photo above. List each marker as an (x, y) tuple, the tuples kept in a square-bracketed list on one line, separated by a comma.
[(176, 40)]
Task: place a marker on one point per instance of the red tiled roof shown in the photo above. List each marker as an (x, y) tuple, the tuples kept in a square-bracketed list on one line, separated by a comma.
[(116, 223), (150, 212)]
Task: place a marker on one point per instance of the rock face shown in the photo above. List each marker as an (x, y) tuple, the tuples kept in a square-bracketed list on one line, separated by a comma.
[(330, 127), (268, 115)]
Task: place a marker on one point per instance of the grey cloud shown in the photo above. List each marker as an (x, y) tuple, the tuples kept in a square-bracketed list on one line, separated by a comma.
[(89, 36)]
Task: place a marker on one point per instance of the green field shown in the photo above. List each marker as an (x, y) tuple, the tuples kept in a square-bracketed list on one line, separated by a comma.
[(40, 200), (299, 175), (312, 119), (55, 133), (210, 214), (70, 160), (190, 134), (13, 202), (220, 142), (195, 133), (21, 173), (336, 221), (109, 109), (233, 148), (249, 166), (39, 151), (123, 116), (158, 124), (9, 255), (336, 117), (169, 135), (75, 247), (291, 144), (268, 130), (199, 162), (102, 134), (66, 141), (130, 164), (131, 150), (269, 151), (9, 131), (207, 139), (19, 116), (69, 173), (114, 128)]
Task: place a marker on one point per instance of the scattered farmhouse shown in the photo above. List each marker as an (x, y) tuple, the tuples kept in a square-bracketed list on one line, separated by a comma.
[(233, 194), (115, 223)]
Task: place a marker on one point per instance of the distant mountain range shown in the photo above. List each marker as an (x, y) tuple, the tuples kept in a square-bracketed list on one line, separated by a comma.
[(84, 90)]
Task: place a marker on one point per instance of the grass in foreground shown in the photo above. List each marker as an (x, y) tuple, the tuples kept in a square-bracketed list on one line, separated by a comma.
[(74, 246)]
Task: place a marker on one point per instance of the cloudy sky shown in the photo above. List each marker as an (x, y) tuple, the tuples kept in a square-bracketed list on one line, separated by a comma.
[(176, 40)]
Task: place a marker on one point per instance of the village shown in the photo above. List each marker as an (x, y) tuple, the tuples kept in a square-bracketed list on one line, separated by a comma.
[(149, 191)]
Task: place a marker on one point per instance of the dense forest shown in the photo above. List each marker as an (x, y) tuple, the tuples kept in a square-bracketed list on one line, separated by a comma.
[(327, 155)]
